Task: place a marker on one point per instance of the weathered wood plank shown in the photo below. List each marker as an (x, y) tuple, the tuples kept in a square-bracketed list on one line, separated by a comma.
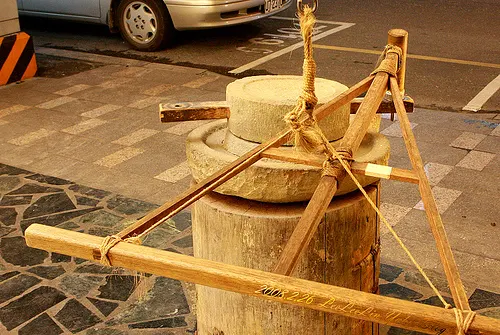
[(331, 299)]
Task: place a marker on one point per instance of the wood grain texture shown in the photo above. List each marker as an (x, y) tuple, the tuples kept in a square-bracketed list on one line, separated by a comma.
[(327, 298), (190, 111), (253, 234), (431, 209)]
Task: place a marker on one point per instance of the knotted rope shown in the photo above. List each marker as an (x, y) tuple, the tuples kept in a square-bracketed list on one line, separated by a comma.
[(109, 242), (385, 65), (300, 119), (463, 324)]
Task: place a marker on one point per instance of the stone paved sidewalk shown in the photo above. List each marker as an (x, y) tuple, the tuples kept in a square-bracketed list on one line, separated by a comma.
[(71, 295), (97, 134)]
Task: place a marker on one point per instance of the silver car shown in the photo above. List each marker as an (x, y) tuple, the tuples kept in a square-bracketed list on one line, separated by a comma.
[(150, 25)]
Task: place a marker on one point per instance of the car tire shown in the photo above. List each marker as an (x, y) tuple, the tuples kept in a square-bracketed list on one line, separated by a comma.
[(145, 24)]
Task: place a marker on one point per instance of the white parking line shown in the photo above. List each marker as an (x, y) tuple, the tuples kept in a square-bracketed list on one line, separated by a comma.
[(486, 93), (262, 60)]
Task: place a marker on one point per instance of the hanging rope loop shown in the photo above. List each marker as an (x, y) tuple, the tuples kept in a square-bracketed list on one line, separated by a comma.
[(300, 6)]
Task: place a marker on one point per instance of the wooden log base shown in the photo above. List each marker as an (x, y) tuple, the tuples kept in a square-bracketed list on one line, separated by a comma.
[(327, 298)]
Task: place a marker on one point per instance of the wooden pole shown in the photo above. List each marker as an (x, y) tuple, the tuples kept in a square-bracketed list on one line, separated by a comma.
[(288, 290), (399, 37), (197, 191), (327, 187), (365, 169), (437, 227)]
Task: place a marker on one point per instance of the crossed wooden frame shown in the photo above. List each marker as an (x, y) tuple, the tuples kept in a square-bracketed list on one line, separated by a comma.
[(326, 298)]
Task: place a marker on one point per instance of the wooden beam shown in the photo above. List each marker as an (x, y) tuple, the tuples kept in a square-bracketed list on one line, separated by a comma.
[(189, 111), (365, 169), (386, 106), (330, 299), (431, 209), (197, 191), (207, 110), (315, 210)]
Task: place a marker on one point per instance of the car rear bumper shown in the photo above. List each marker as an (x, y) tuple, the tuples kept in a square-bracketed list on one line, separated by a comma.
[(187, 17)]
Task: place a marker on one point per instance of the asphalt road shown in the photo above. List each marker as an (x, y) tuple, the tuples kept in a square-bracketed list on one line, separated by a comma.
[(462, 38)]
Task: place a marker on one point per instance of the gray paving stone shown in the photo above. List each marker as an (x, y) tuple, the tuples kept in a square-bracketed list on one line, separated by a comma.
[(174, 322), (15, 313), (13, 200), (14, 251), (492, 313), (42, 325), (398, 291), (48, 272), (11, 170), (68, 225), (76, 317), (435, 301), (129, 206), (84, 201), (79, 285), (402, 194), (389, 272), (185, 242), (56, 219), (8, 183), (49, 204), (489, 144), (48, 179), (104, 331), (94, 268), (16, 286), (118, 287), (483, 299), (89, 191), (59, 258), (105, 307), (8, 275), (8, 216), (101, 218), (165, 299)]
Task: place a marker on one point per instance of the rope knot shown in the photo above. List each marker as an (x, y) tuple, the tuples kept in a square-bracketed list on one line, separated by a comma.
[(108, 243), (463, 323), (332, 166), (384, 65)]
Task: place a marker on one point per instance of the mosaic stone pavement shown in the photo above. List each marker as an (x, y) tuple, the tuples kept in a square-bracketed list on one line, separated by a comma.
[(49, 293)]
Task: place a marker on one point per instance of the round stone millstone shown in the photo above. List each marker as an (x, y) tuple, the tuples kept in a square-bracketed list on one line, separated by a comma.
[(258, 105), (211, 147)]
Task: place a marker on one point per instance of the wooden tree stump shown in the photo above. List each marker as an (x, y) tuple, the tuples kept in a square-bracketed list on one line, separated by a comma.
[(253, 234)]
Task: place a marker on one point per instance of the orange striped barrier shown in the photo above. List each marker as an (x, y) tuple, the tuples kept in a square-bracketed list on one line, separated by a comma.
[(17, 58)]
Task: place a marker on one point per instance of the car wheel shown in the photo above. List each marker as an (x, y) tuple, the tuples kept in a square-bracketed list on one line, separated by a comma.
[(145, 24)]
